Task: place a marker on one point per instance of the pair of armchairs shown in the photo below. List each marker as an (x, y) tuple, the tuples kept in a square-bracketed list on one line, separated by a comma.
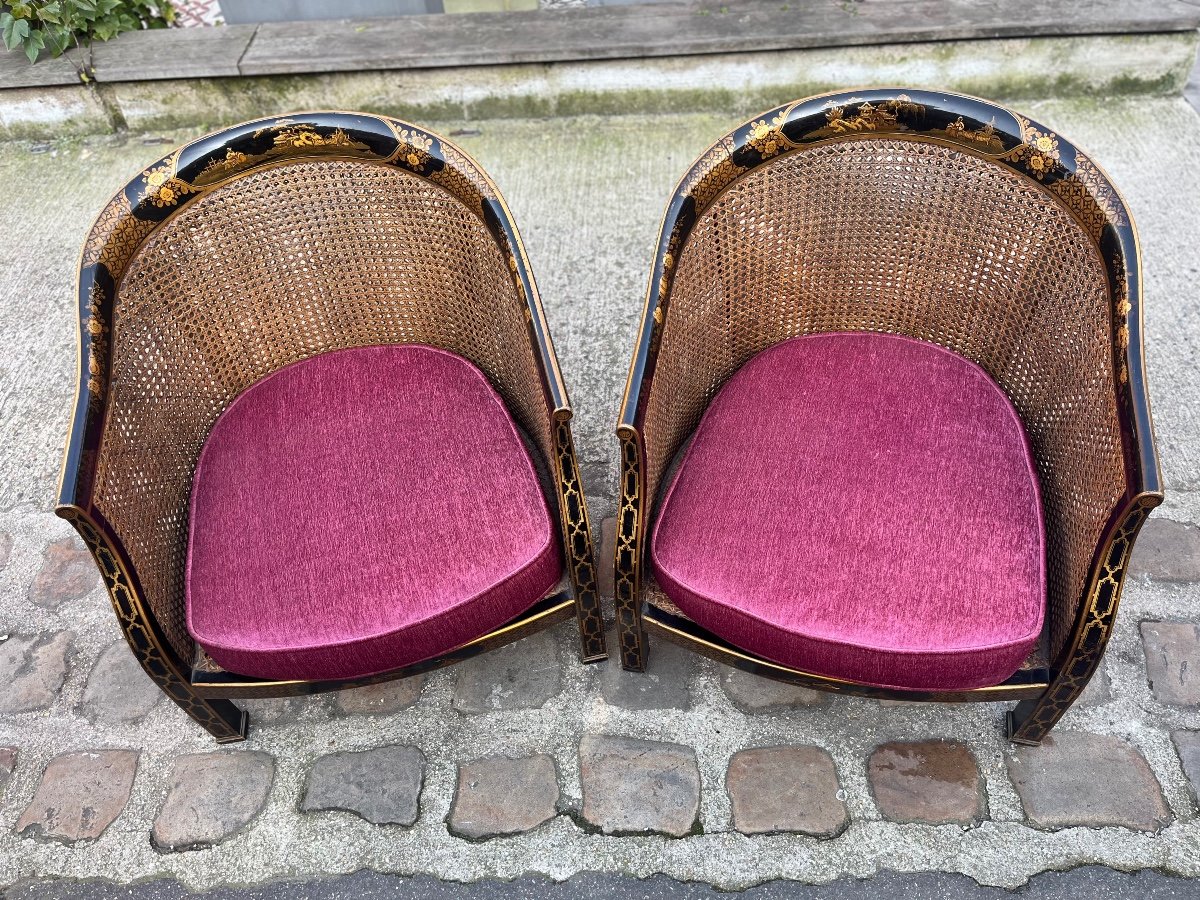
[(885, 433)]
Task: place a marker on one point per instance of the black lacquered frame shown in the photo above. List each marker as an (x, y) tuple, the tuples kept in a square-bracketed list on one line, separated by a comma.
[(169, 185), (1007, 139)]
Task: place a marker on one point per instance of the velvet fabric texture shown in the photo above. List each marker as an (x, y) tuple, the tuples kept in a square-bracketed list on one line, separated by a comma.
[(864, 507), (362, 510)]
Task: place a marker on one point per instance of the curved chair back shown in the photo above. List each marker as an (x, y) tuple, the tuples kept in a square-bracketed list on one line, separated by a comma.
[(264, 244), (936, 216)]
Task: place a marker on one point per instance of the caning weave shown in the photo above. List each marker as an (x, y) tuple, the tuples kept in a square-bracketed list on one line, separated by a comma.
[(273, 267), (914, 238)]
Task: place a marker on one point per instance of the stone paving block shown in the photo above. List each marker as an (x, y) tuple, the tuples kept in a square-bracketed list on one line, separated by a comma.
[(664, 684), (1187, 743), (32, 669), (8, 762), (754, 694), (68, 573), (497, 796), (519, 676), (118, 689), (1167, 550), (934, 782), (213, 795), (6, 545), (604, 557), (632, 786), (379, 699), (382, 785), (80, 795), (1076, 778), (782, 789), (1173, 661)]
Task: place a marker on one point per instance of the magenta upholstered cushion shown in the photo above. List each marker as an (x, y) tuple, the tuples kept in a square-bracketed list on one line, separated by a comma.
[(362, 510), (864, 507)]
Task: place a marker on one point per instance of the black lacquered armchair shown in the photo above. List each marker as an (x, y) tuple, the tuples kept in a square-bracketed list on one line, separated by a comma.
[(886, 430), (321, 438)]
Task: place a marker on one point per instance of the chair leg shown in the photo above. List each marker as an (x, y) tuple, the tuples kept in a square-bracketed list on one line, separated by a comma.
[(1032, 720), (631, 634), (226, 722), (577, 539)]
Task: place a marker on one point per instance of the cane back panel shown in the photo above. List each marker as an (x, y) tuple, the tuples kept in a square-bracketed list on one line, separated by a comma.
[(943, 218), (281, 240)]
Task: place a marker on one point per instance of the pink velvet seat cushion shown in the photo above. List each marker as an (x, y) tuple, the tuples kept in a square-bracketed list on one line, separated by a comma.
[(864, 507), (362, 510)]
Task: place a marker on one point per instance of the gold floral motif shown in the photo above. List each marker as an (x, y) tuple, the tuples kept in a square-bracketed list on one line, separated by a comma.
[(769, 139), (984, 137), (162, 187), (414, 146), (656, 330), (1038, 151), (97, 332)]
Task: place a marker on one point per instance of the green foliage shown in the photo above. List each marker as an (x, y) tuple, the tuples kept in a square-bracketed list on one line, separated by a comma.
[(38, 26)]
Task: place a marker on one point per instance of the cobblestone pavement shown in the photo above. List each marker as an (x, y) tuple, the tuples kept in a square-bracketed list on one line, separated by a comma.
[(523, 761)]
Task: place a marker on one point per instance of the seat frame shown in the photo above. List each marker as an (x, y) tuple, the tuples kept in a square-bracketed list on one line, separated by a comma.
[(985, 130), (133, 214)]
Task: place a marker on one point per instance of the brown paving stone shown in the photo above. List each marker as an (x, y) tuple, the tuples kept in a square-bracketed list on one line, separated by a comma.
[(380, 699), (785, 789), (632, 786), (523, 675), (118, 688), (1075, 778), (68, 573), (80, 795), (382, 785), (496, 796), (1167, 550), (1173, 661), (32, 669), (754, 694), (1187, 743), (934, 782), (212, 796)]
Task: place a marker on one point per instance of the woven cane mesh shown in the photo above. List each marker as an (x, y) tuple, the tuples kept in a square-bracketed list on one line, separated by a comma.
[(274, 267), (919, 239)]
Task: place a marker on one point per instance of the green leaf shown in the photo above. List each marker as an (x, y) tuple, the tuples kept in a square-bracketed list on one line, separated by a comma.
[(33, 45), (6, 29)]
